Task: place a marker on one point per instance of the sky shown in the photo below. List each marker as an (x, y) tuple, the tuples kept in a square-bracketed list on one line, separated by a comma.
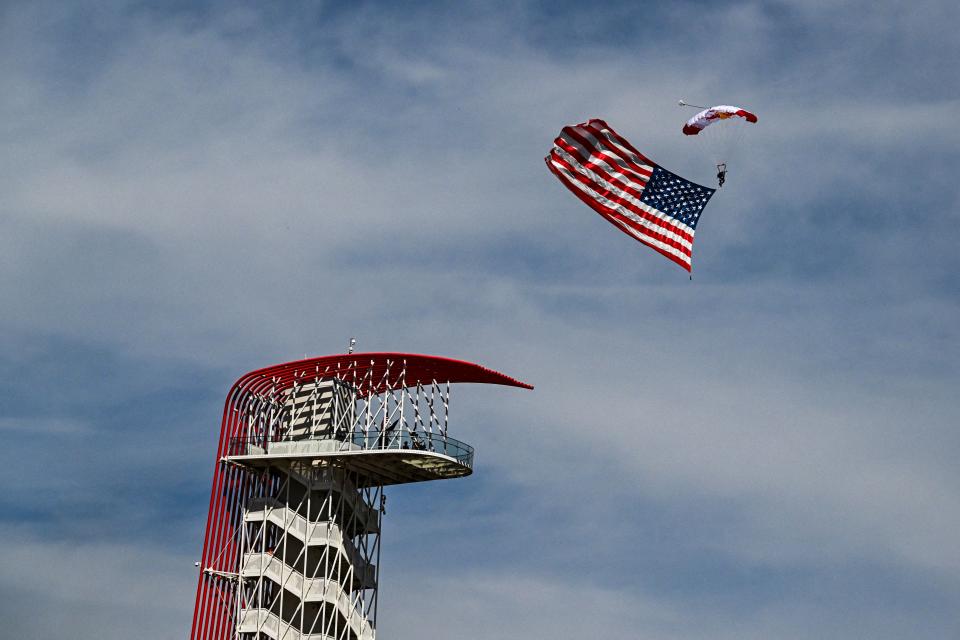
[(190, 191)]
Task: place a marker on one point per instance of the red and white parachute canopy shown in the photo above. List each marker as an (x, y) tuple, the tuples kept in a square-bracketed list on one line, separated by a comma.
[(705, 118)]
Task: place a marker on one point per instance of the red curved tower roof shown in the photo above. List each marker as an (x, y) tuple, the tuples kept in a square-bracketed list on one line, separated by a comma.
[(370, 371)]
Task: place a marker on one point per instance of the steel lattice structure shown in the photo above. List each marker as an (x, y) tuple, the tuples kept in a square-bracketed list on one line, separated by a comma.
[(292, 543)]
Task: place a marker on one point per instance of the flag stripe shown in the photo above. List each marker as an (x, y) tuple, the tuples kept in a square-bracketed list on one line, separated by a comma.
[(640, 229), (628, 196), (672, 231)]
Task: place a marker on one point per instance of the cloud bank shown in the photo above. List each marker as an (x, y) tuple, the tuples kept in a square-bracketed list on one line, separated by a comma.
[(192, 193)]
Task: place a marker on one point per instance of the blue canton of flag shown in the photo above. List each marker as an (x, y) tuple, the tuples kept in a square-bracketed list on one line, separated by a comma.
[(678, 198)]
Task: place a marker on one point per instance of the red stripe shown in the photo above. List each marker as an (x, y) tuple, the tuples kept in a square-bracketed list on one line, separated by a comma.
[(609, 215), (660, 222)]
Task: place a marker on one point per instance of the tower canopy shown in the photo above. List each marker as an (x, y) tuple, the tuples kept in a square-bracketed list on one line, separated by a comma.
[(374, 372)]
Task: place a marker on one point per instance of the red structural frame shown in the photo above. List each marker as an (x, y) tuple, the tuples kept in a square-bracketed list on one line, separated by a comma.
[(375, 373)]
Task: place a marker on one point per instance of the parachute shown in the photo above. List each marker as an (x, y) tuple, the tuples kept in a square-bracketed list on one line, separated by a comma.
[(705, 118), (720, 128)]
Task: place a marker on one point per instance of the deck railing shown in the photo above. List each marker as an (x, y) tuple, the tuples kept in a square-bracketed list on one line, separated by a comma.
[(373, 440)]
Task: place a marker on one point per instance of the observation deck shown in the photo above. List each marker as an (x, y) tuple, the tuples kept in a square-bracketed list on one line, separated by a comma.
[(385, 457)]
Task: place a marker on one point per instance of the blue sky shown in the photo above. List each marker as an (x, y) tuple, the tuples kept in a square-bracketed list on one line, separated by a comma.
[(194, 190)]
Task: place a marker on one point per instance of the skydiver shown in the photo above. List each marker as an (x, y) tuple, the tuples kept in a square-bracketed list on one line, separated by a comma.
[(721, 173)]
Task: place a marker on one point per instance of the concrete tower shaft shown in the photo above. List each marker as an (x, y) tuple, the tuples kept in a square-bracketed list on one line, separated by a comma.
[(292, 544)]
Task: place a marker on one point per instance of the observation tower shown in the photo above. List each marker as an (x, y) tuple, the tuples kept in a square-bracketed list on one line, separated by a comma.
[(292, 543)]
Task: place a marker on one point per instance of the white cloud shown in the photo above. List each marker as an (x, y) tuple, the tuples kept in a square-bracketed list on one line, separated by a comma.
[(96, 590), (34, 426), (188, 194)]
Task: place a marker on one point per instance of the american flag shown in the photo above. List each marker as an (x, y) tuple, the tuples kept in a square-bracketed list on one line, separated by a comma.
[(655, 206)]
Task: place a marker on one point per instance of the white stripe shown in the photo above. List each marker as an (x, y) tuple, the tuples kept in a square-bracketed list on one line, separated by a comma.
[(596, 179), (633, 217)]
